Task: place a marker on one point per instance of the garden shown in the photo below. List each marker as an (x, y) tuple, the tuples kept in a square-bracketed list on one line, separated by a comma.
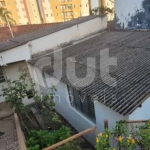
[(45, 127), (127, 135)]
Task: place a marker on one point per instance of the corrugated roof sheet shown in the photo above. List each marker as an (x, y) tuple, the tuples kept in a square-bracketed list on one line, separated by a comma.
[(132, 50)]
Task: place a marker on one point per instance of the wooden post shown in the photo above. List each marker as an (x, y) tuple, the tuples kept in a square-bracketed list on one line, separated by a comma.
[(105, 124), (21, 139), (70, 139)]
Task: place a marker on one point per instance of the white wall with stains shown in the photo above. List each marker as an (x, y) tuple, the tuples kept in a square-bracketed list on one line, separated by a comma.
[(132, 14)]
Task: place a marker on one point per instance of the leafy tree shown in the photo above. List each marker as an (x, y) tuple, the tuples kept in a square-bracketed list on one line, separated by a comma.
[(3, 13)]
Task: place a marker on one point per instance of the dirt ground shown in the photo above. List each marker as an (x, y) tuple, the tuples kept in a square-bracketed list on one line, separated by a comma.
[(5, 110), (7, 122)]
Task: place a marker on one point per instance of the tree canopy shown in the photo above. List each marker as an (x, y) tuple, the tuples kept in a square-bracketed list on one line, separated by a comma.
[(5, 13)]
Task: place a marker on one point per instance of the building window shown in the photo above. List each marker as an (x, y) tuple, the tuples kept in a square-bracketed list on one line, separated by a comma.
[(82, 103), (46, 15), (56, 7), (51, 14), (69, 6), (2, 78)]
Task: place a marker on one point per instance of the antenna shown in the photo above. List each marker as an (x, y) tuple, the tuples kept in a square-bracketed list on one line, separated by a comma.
[(9, 26)]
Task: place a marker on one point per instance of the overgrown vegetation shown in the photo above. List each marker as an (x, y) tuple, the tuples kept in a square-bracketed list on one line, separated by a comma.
[(127, 137), (44, 138), (54, 131)]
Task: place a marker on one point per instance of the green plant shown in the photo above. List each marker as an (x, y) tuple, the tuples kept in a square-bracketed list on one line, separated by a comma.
[(128, 136), (73, 145), (102, 141), (44, 138), (15, 93)]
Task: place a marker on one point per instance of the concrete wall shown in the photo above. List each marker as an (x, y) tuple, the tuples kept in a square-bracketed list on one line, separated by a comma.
[(53, 40), (103, 112), (73, 33), (142, 113), (12, 72), (75, 118), (15, 54), (131, 13)]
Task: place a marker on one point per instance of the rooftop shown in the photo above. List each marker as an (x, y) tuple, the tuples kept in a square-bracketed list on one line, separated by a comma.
[(132, 50), (23, 39), (21, 30)]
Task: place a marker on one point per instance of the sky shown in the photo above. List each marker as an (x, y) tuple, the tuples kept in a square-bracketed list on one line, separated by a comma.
[(94, 3)]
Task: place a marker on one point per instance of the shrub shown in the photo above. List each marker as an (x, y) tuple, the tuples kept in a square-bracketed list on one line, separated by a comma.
[(45, 138)]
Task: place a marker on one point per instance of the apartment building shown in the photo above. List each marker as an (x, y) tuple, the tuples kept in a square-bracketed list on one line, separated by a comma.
[(64, 10), (46, 11)]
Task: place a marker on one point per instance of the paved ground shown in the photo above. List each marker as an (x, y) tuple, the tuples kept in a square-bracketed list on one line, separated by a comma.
[(9, 141)]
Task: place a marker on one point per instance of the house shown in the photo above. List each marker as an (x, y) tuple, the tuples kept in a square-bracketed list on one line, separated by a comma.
[(87, 94)]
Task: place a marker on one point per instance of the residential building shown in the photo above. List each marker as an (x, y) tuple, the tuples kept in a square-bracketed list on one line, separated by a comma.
[(46, 11), (17, 51), (127, 97)]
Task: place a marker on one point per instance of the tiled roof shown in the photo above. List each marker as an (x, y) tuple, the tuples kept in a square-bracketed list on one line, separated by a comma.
[(17, 41), (22, 30), (132, 50)]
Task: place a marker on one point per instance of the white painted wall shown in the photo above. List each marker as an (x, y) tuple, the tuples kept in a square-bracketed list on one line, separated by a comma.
[(73, 33), (124, 7), (15, 54), (76, 32), (142, 113), (37, 77), (75, 118), (12, 72), (103, 112)]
